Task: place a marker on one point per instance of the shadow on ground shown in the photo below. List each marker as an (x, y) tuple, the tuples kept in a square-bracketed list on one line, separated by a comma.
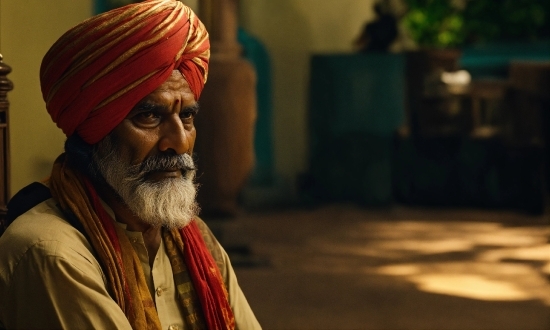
[(343, 267)]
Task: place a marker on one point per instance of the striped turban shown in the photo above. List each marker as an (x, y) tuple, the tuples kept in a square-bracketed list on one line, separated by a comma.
[(100, 69)]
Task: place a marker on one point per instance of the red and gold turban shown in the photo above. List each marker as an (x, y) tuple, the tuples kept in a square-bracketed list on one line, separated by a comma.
[(97, 71)]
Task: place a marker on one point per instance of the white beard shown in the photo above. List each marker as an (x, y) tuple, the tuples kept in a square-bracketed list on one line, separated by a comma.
[(170, 203)]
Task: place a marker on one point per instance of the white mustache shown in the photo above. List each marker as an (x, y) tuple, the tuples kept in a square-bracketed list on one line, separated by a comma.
[(163, 162)]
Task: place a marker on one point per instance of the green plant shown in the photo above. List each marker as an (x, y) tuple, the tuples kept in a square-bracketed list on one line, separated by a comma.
[(453, 23), (489, 20), (434, 23)]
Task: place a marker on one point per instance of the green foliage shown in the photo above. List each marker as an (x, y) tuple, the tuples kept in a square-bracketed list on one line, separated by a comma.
[(507, 20), (453, 23), (434, 23)]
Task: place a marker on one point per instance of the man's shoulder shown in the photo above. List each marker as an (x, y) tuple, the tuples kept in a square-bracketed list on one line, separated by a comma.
[(41, 230), (43, 221)]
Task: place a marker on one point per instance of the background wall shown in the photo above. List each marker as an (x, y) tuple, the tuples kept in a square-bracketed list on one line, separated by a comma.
[(27, 29), (292, 30)]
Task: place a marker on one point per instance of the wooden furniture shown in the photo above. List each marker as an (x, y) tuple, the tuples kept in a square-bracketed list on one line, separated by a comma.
[(443, 111), (432, 111), (489, 115), (5, 86), (530, 99)]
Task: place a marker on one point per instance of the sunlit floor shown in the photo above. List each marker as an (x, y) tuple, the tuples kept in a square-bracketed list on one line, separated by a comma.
[(344, 267)]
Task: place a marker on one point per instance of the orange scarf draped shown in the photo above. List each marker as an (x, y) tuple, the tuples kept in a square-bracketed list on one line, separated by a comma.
[(185, 247)]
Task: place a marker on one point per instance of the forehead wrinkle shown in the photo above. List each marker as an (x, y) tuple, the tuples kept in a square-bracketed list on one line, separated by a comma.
[(171, 85), (174, 88)]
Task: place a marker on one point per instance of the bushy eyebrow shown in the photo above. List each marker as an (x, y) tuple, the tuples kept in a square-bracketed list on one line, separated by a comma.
[(147, 106), (194, 108), (152, 107)]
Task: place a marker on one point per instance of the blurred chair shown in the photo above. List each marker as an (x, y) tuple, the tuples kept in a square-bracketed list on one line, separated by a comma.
[(530, 99), (488, 107)]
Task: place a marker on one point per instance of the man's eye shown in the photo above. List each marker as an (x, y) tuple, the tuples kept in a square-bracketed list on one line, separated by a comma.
[(147, 115), (147, 118), (187, 114)]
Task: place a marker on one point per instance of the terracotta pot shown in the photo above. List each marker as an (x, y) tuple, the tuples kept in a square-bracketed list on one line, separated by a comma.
[(225, 135)]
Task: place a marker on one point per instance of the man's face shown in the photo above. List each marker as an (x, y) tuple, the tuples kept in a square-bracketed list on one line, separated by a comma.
[(160, 123), (147, 160)]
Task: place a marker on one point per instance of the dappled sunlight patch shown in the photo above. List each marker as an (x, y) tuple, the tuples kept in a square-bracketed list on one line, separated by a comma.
[(399, 270), (469, 286), (355, 249), (415, 228), (532, 253), (428, 246), (475, 280), (403, 239), (475, 260), (512, 237)]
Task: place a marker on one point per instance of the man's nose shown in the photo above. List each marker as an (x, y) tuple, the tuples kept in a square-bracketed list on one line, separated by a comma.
[(175, 137)]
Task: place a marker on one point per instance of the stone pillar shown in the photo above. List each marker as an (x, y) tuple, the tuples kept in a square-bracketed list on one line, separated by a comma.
[(225, 124), (5, 86)]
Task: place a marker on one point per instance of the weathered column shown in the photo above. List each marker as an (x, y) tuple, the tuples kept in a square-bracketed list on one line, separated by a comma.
[(225, 125), (5, 86)]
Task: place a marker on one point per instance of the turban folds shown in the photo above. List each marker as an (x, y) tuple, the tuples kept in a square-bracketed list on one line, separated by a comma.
[(100, 69)]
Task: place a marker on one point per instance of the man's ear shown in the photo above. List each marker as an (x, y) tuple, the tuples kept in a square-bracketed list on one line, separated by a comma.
[(80, 154)]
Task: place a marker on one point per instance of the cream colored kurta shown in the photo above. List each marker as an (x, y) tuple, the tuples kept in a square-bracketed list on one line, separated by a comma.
[(50, 278)]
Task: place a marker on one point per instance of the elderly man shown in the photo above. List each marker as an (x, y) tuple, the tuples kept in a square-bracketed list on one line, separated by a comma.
[(112, 240)]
